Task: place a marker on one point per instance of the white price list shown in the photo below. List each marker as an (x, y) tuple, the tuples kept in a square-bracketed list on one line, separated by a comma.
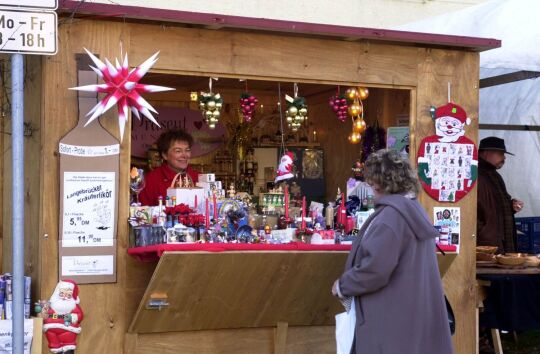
[(89, 199), (28, 32)]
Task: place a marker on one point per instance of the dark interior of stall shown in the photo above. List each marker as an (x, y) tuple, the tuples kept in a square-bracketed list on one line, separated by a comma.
[(244, 155)]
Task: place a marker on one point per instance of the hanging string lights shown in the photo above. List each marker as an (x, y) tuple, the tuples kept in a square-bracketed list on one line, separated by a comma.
[(297, 112), (210, 105)]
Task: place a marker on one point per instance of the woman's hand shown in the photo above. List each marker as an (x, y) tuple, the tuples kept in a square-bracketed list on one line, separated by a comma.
[(335, 287)]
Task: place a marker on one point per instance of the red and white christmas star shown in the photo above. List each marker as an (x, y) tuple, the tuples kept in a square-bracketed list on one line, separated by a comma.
[(123, 89)]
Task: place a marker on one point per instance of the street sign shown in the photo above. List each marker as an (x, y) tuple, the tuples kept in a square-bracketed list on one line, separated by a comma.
[(35, 4), (28, 32)]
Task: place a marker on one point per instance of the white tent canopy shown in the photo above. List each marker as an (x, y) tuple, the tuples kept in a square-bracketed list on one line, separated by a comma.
[(515, 23)]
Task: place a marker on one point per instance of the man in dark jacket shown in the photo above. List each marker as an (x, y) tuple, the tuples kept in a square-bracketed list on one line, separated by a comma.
[(496, 208)]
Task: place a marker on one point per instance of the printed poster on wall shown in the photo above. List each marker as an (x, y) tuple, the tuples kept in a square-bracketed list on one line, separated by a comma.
[(447, 222), (397, 138), (89, 206), (89, 178)]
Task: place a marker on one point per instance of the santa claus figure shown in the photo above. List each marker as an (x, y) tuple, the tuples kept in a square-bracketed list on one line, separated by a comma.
[(285, 167), (62, 317), (448, 160)]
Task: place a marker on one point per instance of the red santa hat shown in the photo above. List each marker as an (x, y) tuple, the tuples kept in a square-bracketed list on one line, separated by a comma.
[(452, 110), (289, 154), (71, 285)]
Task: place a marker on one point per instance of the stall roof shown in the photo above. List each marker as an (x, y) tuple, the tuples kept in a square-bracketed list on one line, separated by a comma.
[(217, 21)]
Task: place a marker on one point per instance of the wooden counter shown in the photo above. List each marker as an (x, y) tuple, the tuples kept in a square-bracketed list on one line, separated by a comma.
[(507, 270)]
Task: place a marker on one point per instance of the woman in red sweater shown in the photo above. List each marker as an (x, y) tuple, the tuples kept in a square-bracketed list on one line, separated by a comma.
[(175, 149)]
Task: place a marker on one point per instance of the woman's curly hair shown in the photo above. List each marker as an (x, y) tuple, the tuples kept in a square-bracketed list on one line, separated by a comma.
[(391, 171), (167, 138)]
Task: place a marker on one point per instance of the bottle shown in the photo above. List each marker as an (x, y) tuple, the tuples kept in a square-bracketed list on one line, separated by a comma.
[(370, 202), (329, 215), (173, 201), (161, 214)]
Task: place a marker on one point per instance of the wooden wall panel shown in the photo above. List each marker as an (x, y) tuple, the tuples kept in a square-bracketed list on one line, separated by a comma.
[(436, 68), (228, 53), (104, 305), (300, 340)]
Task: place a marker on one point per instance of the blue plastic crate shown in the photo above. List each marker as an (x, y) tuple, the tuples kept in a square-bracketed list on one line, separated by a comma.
[(529, 242)]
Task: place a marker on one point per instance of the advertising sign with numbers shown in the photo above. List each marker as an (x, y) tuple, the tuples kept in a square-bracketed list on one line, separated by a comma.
[(36, 4), (28, 32), (89, 205)]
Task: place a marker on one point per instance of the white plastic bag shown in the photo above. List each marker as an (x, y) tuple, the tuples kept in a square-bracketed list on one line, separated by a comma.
[(345, 325)]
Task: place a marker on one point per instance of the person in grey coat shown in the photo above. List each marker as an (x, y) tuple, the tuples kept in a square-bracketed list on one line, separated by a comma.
[(392, 270)]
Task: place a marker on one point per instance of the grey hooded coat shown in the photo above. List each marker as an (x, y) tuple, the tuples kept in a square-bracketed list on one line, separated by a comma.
[(393, 274)]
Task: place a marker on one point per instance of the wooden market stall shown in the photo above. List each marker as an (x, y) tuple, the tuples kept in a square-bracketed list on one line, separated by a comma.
[(409, 69)]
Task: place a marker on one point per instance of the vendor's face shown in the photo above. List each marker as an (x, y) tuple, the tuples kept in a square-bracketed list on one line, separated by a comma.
[(178, 155), (494, 157)]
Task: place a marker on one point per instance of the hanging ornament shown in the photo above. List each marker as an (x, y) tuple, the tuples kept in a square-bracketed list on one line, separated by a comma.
[(210, 104), (296, 112), (359, 126), (354, 137), (339, 105), (285, 168), (351, 93), (123, 89), (356, 111), (363, 93), (248, 103)]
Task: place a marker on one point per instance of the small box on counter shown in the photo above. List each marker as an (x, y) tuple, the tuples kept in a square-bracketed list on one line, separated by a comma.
[(323, 237), (284, 236), (187, 195), (219, 193), (207, 177), (210, 185), (141, 213)]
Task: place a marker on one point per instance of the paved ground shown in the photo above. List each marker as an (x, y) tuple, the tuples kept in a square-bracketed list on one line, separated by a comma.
[(527, 343)]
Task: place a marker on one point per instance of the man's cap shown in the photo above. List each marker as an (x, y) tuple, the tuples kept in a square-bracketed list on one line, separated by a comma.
[(493, 143)]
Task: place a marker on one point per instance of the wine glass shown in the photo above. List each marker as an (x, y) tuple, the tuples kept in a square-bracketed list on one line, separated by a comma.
[(136, 182)]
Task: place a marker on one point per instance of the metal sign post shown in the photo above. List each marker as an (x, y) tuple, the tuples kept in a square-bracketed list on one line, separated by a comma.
[(17, 156), (29, 32)]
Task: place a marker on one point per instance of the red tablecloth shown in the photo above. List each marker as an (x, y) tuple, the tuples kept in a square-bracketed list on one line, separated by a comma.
[(152, 253)]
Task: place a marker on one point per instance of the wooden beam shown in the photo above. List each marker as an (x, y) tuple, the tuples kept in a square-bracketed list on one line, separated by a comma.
[(532, 128), (508, 78), (280, 338)]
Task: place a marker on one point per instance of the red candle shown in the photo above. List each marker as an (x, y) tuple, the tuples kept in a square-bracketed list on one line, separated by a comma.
[(286, 202), (195, 202), (207, 216), (342, 213), (303, 213), (215, 207)]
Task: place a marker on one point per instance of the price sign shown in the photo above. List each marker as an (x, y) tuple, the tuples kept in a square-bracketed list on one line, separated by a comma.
[(28, 32), (36, 4), (89, 199)]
